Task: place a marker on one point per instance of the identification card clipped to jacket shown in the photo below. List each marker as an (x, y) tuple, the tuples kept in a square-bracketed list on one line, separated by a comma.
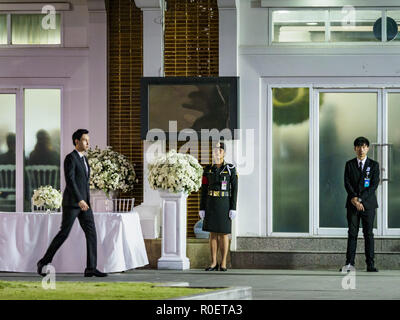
[(366, 182), (224, 184)]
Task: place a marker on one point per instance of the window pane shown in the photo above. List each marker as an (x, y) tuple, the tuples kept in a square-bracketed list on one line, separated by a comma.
[(299, 26), (3, 29), (290, 137), (343, 117), (28, 29), (345, 29), (394, 166), (7, 152), (42, 140), (393, 29)]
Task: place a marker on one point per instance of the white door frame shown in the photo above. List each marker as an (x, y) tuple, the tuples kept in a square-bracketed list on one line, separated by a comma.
[(19, 176), (316, 84), (385, 163), (270, 163), (315, 204)]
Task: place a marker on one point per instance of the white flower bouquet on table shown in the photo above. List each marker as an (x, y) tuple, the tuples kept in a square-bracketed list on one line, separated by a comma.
[(175, 172), (47, 197), (110, 171)]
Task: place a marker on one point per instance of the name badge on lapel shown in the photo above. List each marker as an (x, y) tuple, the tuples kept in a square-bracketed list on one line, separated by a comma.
[(367, 180)]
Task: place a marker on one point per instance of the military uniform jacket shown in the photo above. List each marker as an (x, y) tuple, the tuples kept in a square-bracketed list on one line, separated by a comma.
[(218, 204)]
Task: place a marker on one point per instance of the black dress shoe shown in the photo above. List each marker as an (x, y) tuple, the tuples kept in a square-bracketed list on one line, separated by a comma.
[(40, 266), (372, 269), (215, 268), (94, 273), (223, 269)]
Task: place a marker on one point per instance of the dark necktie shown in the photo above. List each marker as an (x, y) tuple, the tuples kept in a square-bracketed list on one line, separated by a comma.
[(84, 164), (360, 166)]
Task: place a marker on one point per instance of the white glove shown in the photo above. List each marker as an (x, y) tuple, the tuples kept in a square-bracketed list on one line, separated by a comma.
[(202, 213), (232, 214)]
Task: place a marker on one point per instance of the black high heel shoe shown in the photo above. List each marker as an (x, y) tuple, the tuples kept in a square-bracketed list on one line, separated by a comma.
[(215, 268), (222, 269)]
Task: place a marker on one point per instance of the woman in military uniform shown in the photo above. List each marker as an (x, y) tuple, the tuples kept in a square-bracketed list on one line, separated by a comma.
[(218, 204)]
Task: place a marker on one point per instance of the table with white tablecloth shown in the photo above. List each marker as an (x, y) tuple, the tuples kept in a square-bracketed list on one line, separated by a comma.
[(25, 237)]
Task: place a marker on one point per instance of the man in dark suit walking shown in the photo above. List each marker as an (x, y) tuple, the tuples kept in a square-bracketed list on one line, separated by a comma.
[(361, 179), (76, 204)]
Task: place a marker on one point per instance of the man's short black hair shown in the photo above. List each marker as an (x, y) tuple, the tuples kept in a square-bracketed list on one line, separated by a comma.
[(360, 141), (10, 140), (78, 135)]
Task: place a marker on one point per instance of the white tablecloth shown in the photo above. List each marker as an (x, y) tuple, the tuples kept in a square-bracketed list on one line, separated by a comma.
[(25, 237)]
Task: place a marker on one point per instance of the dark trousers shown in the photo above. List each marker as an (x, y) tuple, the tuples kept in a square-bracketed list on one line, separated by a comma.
[(86, 220), (367, 218)]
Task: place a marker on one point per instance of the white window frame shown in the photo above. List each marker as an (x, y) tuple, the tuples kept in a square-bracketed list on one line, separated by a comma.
[(9, 32), (325, 44), (19, 194), (20, 137), (342, 231), (269, 177), (385, 187)]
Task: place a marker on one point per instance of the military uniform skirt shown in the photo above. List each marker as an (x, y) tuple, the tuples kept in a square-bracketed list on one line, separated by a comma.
[(217, 215)]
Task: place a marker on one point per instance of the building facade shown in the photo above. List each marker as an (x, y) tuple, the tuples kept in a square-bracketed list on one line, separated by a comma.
[(313, 77)]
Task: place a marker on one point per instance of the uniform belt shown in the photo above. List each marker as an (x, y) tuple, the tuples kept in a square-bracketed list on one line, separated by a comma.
[(218, 193)]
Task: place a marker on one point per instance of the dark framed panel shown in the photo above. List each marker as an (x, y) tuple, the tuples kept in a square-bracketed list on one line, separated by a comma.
[(195, 103)]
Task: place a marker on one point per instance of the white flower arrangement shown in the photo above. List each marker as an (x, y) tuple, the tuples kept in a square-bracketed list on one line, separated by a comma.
[(175, 172), (47, 197), (110, 171)]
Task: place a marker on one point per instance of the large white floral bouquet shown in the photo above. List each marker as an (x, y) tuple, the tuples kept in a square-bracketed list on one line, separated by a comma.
[(175, 172), (110, 171), (47, 197)]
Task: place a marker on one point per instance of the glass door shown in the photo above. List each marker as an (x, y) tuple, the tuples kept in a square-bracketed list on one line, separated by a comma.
[(391, 163), (30, 126), (341, 116), (309, 148), (289, 191), (8, 103)]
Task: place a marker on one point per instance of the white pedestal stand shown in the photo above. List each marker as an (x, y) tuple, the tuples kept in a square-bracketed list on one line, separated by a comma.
[(173, 245)]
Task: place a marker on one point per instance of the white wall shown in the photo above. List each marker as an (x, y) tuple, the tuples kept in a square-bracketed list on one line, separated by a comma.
[(259, 64), (80, 67)]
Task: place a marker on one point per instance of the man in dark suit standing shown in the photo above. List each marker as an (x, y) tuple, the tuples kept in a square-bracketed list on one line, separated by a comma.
[(361, 179), (76, 204)]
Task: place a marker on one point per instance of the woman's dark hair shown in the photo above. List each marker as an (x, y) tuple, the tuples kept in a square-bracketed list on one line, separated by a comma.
[(360, 141), (78, 135)]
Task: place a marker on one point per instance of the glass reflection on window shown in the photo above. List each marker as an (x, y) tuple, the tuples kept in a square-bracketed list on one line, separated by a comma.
[(42, 140), (299, 26), (394, 165), (28, 29), (290, 138), (343, 117), (7, 152), (3, 29)]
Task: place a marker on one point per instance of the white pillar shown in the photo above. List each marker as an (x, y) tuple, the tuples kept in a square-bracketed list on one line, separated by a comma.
[(173, 245), (228, 60), (152, 67), (228, 38), (97, 42)]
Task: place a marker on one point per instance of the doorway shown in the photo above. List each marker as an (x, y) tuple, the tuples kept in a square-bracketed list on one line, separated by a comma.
[(313, 129)]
